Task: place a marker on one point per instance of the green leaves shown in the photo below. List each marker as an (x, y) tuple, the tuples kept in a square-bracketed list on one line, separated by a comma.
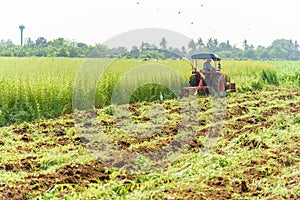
[(270, 77)]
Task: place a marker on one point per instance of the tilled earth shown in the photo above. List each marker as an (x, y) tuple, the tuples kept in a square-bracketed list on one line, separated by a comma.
[(40, 156)]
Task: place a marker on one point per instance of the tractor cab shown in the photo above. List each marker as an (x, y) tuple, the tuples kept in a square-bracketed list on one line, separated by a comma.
[(198, 61)]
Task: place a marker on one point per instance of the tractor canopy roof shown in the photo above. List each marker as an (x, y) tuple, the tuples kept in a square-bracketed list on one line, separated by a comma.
[(206, 56)]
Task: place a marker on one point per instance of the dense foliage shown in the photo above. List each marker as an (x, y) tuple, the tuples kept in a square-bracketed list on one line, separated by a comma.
[(280, 49), (34, 88)]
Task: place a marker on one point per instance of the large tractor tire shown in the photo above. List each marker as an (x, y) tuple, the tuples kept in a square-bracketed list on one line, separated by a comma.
[(219, 85), (194, 80)]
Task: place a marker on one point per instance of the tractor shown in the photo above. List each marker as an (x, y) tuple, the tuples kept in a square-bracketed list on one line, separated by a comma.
[(208, 81)]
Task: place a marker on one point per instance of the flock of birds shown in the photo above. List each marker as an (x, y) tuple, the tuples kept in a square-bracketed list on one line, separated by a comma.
[(179, 12)]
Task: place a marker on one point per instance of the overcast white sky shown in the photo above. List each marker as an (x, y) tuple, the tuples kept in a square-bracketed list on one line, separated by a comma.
[(95, 21)]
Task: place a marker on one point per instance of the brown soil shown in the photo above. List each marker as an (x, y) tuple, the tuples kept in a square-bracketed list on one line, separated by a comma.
[(253, 144), (70, 174), (215, 189), (26, 164), (24, 149), (182, 194), (133, 108)]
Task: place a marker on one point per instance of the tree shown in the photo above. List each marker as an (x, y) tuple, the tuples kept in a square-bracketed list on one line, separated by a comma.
[(163, 43), (142, 45), (200, 43), (100, 51), (249, 52), (245, 44), (146, 45), (276, 52), (296, 45), (29, 43), (118, 52), (210, 44), (215, 45), (6, 48), (284, 49), (262, 53), (183, 50), (135, 52), (29, 46), (41, 42), (192, 45), (225, 46), (59, 42)]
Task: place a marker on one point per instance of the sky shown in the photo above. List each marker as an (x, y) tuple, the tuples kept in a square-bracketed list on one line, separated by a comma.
[(97, 21)]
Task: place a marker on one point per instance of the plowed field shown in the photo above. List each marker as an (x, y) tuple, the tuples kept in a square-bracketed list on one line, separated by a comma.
[(160, 150)]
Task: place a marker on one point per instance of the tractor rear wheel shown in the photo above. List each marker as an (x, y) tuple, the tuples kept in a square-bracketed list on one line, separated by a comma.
[(219, 85)]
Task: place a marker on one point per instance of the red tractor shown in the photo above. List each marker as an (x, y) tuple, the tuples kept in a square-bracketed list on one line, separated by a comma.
[(209, 79)]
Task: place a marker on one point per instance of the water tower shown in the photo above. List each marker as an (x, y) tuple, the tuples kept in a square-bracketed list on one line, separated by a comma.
[(21, 27)]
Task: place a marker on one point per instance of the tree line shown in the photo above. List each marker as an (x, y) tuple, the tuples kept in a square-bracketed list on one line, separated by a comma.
[(282, 49)]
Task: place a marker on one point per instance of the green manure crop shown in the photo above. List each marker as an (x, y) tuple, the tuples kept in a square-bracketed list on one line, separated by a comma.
[(35, 88)]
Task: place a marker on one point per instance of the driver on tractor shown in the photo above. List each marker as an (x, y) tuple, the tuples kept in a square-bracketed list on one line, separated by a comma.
[(206, 68), (207, 65)]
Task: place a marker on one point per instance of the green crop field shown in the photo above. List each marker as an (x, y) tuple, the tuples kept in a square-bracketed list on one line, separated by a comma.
[(147, 148)]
